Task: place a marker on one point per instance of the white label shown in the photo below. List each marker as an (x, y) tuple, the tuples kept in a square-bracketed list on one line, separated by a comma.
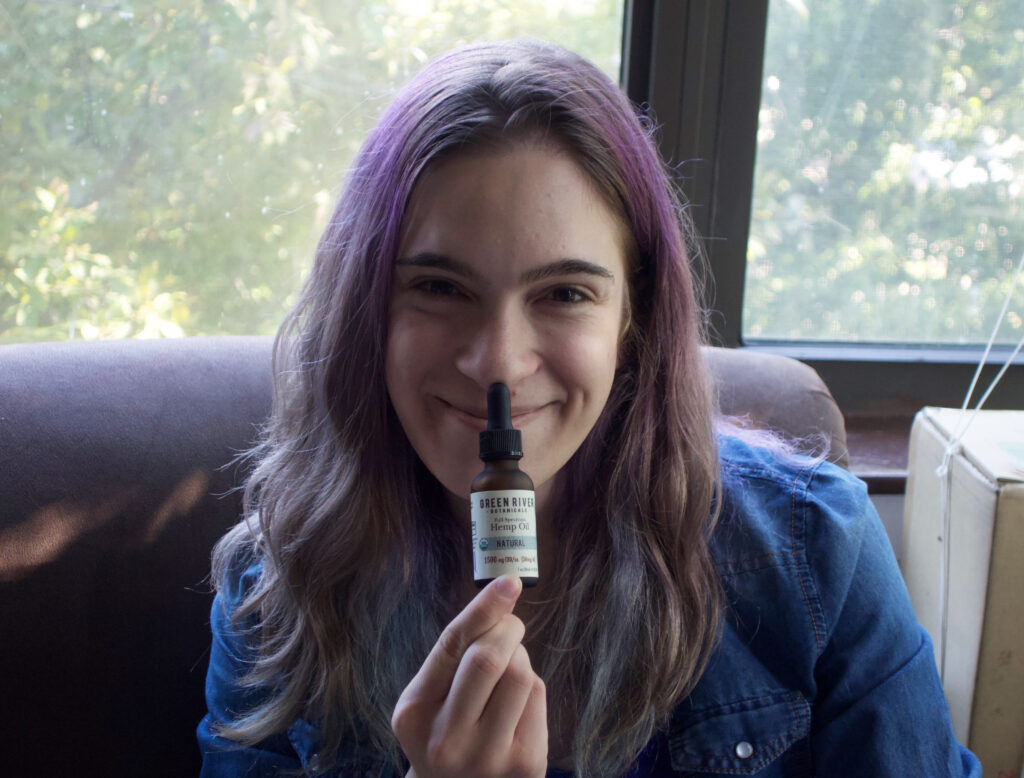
[(504, 533)]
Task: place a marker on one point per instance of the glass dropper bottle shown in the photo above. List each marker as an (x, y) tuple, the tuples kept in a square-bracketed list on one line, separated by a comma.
[(502, 501)]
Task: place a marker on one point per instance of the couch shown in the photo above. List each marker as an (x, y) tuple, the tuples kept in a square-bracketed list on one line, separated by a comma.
[(116, 478)]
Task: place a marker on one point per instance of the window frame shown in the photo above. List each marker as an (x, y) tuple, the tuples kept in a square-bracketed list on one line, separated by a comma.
[(697, 64)]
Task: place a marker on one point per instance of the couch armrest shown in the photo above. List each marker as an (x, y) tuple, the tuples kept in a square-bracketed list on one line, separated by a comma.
[(780, 394), (112, 471)]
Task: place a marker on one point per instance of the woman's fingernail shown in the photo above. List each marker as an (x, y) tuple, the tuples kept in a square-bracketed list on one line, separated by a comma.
[(509, 586)]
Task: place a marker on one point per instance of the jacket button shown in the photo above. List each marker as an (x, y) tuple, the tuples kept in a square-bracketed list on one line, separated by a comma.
[(744, 750)]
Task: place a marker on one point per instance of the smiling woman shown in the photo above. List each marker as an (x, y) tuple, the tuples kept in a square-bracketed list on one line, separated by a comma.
[(709, 602), (456, 244)]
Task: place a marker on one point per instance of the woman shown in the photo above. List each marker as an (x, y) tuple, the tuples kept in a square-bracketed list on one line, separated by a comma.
[(705, 606)]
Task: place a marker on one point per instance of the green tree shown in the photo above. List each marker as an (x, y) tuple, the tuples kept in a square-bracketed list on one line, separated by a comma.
[(890, 171), (166, 167)]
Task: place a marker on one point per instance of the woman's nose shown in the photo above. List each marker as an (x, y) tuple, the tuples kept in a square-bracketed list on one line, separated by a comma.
[(499, 346)]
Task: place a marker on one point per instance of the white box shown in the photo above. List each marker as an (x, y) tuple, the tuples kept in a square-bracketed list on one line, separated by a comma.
[(982, 661)]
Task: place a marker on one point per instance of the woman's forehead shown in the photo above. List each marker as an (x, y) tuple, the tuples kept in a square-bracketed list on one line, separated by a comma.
[(478, 194), (531, 199)]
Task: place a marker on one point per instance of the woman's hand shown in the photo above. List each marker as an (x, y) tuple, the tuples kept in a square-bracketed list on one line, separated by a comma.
[(476, 708)]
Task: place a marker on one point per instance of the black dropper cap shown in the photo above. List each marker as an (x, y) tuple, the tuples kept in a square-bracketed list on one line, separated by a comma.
[(500, 440)]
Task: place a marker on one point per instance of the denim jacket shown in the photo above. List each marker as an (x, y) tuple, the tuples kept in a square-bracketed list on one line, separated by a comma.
[(821, 669)]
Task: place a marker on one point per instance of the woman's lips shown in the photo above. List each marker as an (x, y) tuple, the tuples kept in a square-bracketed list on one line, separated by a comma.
[(479, 423)]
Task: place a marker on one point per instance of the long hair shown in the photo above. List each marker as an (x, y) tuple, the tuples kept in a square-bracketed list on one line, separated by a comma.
[(361, 558)]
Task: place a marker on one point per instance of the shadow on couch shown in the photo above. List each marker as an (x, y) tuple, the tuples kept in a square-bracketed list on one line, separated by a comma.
[(115, 482)]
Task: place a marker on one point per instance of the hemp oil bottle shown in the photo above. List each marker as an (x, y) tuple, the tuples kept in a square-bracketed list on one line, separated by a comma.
[(502, 503)]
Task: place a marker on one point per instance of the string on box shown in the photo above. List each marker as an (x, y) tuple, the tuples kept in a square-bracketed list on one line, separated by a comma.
[(944, 470)]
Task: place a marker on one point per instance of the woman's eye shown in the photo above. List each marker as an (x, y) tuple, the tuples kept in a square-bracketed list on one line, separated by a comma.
[(436, 287), (567, 294)]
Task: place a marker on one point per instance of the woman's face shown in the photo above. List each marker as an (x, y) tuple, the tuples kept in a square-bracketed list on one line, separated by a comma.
[(511, 268)]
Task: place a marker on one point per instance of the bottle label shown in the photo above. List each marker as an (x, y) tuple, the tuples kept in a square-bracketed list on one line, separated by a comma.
[(504, 533)]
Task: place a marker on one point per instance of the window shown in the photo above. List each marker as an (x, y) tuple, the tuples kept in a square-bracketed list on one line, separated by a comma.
[(166, 168), (703, 72), (890, 172)]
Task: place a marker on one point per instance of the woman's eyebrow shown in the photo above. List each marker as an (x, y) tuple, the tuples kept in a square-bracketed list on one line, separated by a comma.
[(440, 262), (561, 267), (566, 267)]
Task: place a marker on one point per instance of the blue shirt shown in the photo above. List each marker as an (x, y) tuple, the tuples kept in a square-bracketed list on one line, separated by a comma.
[(822, 668)]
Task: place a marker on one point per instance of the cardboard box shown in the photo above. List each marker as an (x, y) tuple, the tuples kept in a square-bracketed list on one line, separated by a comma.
[(981, 659)]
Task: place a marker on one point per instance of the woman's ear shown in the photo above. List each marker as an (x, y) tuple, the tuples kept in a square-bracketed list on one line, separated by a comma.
[(629, 295), (626, 329)]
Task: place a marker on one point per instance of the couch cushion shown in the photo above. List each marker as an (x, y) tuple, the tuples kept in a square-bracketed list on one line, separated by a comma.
[(116, 479)]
